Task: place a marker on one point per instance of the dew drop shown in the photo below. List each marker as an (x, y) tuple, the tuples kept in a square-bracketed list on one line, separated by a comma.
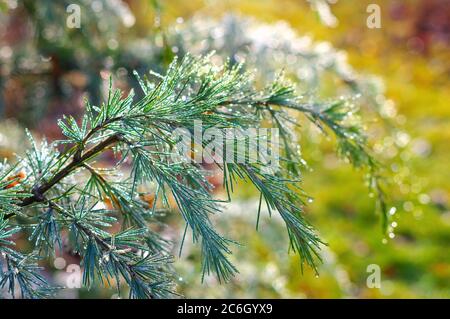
[(392, 210)]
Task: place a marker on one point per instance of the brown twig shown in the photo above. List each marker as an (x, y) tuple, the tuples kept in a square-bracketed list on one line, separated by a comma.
[(39, 191)]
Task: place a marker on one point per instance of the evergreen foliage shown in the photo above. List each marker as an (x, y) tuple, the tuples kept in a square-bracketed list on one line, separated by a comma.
[(58, 186)]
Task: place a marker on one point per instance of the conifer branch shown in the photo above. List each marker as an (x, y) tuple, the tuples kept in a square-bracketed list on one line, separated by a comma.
[(64, 190)]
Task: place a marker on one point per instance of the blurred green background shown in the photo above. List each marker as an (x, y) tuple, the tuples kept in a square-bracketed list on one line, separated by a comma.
[(409, 54)]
